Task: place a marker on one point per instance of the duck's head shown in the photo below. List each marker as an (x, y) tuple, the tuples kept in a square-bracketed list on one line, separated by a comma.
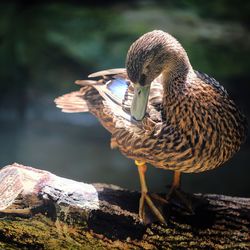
[(147, 58)]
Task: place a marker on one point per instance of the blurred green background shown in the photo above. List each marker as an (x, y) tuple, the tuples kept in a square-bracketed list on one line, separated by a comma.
[(45, 46)]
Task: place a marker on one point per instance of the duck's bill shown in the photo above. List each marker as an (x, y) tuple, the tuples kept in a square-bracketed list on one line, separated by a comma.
[(140, 102)]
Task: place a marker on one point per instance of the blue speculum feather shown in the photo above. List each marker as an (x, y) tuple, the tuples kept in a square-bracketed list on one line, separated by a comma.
[(118, 87)]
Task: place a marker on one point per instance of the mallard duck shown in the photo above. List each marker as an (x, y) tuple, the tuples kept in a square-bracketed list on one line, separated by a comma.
[(159, 110)]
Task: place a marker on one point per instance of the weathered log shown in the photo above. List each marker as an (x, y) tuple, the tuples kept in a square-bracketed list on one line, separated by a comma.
[(39, 210)]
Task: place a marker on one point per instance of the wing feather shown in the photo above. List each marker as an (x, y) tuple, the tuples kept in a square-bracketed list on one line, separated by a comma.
[(72, 103), (108, 72)]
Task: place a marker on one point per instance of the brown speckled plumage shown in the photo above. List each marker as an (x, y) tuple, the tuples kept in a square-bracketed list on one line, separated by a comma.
[(191, 124)]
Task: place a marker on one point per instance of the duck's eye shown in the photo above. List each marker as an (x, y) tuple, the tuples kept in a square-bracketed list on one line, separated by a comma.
[(142, 79)]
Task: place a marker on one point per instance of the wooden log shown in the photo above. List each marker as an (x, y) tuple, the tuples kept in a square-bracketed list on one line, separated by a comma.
[(39, 210)]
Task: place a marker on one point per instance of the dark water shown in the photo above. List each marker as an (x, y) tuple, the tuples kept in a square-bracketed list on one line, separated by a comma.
[(76, 146)]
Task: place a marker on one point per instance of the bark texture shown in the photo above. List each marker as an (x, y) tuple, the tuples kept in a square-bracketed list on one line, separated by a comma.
[(39, 210)]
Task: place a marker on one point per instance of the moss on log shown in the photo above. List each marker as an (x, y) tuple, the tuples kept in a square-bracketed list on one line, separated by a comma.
[(39, 210)]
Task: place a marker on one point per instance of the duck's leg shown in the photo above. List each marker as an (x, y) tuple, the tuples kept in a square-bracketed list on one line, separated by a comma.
[(175, 190), (142, 168), (176, 183)]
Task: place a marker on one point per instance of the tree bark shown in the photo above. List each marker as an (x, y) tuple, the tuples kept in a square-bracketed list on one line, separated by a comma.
[(39, 210)]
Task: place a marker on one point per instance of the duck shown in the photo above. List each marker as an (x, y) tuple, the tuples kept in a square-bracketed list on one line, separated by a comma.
[(162, 112)]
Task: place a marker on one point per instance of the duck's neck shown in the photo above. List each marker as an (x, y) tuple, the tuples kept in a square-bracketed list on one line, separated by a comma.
[(176, 77)]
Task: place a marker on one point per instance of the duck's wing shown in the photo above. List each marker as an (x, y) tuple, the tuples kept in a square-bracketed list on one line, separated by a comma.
[(115, 87), (73, 102), (86, 98), (109, 98)]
